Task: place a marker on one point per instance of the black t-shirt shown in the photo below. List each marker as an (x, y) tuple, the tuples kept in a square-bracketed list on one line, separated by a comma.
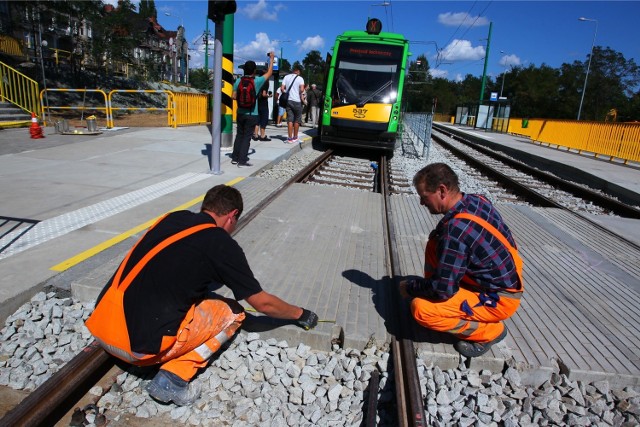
[(180, 276), (263, 102)]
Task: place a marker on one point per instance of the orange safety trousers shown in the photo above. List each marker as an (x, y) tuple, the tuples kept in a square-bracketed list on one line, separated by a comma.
[(466, 314), (207, 325)]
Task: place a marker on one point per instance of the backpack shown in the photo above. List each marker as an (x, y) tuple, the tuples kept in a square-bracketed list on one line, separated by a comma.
[(246, 93)]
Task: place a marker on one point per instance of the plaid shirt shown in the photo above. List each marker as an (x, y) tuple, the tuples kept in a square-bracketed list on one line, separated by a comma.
[(466, 248)]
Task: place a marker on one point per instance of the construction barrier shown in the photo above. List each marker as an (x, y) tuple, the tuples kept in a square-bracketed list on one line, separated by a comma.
[(170, 109), (47, 108), (617, 141), (19, 89)]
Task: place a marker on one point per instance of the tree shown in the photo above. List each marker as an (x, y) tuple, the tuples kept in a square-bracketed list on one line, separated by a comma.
[(417, 91), (117, 34), (200, 79), (147, 9), (611, 82), (285, 66), (315, 68)]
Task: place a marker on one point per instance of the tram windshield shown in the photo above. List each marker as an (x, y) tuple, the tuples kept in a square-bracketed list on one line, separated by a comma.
[(365, 73)]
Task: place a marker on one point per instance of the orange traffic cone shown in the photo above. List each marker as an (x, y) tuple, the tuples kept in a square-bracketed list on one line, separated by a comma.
[(35, 130)]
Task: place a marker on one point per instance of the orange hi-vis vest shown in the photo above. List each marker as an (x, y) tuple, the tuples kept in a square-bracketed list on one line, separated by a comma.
[(108, 324), (431, 259)]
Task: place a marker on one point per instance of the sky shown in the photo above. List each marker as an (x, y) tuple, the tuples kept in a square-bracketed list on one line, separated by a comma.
[(453, 35)]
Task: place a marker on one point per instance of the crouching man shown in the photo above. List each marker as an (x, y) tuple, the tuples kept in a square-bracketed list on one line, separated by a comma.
[(472, 270), (158, 307)]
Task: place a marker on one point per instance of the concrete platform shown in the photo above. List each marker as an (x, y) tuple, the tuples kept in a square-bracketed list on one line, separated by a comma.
[(89, 193), (318, 247), (582, 288)]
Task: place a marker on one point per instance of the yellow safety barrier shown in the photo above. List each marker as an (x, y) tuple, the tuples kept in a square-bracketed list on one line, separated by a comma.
[(19, 89), (192, 108), (46, 108), (10, 46), (614, 140), (171, 105), (182, 108)]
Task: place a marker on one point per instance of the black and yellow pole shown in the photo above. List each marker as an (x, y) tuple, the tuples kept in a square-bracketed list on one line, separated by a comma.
[(217, 12), (227, 82)]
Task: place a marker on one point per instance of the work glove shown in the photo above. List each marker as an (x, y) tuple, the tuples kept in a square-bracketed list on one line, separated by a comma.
[(308, 319)]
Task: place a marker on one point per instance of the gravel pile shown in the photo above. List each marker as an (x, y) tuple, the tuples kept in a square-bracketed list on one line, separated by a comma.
[(268, 383)]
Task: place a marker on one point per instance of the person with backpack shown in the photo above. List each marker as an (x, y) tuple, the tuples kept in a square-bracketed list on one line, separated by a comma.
[(245, 92)]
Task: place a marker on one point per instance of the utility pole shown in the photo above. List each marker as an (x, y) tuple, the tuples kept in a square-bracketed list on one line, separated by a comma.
[(486, 59), (206, 48)]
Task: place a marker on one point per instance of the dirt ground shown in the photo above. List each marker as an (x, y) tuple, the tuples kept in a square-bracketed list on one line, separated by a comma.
[(143, 119)]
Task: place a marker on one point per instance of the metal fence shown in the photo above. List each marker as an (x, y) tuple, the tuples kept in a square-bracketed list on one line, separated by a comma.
[(416, 133), (19, 89), (617, 141)]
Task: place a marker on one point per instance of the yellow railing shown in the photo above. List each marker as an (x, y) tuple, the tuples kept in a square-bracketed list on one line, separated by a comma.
[(439, 117), (47, 108), (182, 108), (614, 140), (170, 109), (19, 89), (10, 46), (192, 108)]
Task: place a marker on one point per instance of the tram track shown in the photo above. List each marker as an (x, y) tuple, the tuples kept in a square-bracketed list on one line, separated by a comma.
[(528, 185), (55, 398), (528, 180)]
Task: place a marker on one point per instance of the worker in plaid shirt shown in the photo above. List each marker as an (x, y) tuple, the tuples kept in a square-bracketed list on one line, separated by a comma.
[(472, 270)]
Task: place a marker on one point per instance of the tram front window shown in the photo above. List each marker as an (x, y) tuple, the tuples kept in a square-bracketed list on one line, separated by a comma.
[(363, 83), (366, 73)]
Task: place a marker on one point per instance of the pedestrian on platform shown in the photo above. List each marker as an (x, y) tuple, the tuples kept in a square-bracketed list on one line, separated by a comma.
[(247, 118), (259, 134), (160, 307), (473, 273), (314, 97), (294, 84), (281, 110)]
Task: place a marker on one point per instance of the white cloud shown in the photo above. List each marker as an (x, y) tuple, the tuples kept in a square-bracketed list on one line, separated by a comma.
[(260, 11), (462, 19), (458, 78), (255, 50), (310, 43), (438, 73), (461, 50), (510, 60)]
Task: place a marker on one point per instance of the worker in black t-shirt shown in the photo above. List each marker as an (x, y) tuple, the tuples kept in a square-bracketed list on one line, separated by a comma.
[(158, 307)]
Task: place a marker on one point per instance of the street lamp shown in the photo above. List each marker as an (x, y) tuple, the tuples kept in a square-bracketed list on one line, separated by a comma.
[(276, 83), (503, 76), (280, 59), (584, 88)]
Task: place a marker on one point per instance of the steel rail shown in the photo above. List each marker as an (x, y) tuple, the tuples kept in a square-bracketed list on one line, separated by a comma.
[(607, 202), (408, 393), (528, 192), (41, 406)]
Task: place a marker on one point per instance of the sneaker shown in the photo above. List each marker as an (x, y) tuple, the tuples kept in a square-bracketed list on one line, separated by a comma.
[(289, 141), (295, 140), (255, 137), (266, 138), (234, 162), (168, 387), (245, 164), (475, 349)]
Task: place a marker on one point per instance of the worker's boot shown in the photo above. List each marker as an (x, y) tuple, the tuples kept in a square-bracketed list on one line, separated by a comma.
[(475, 349), (168, 387)]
